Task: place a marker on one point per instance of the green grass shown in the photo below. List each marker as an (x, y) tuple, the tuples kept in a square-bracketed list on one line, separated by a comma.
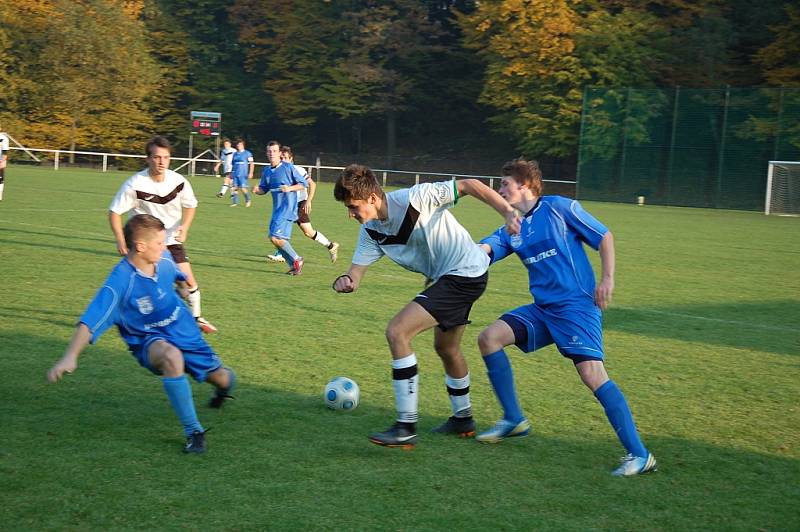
[(702, 338)]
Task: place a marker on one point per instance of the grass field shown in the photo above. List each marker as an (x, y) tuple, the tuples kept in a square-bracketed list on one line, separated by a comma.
[(703, 337)]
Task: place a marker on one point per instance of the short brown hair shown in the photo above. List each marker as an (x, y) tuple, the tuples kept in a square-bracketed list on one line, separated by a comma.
[(287, 150), (525, 173), (157, 141), (357, 182), (138, 225)]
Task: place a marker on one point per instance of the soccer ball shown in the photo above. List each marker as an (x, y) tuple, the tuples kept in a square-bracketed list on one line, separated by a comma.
[(341, 393)]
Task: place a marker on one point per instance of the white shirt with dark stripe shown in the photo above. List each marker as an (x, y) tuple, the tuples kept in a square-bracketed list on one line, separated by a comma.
[(421, 235), (163, 199)]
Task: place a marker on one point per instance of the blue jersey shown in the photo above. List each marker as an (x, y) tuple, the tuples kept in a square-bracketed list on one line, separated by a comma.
[(241, 163), (284, 204), (143, 307), (550, 245)]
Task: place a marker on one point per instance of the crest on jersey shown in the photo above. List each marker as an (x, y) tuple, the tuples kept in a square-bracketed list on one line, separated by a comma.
[(145, 304), (516, 241)]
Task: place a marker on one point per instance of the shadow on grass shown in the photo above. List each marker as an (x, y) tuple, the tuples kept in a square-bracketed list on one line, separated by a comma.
[(106, 435), (765, 326)]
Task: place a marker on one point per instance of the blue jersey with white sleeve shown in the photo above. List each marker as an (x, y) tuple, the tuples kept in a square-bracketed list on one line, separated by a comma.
[(241, 163), (143, 307), (284, 204), (550, 245)]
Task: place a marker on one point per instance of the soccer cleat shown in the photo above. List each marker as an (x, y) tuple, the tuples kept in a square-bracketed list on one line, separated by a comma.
[(275, 257), (205, 325), (195, 443), (635, 465), (218, 398), (220, 194), (334, 251), (504, 429), (401, 435), (234, 204), (297, 267), (463, 427), (248, 204)]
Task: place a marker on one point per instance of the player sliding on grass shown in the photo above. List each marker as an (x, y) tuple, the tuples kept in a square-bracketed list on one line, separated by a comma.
[(138, 297), (566, 309), (416, 230)]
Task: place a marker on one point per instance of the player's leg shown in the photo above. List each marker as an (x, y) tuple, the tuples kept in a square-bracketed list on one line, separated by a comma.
[(246, 190), (280, 232), (408, 323), (192, 288), (457, 382), (226, 183), (319, 238), (594, 376), (234, 194), (167, 360), (224, 380), (2, 177)]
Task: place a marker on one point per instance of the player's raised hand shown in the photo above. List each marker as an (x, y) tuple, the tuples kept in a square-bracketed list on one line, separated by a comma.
[(344, 284), (65, 365), (603, 293), (513, 223), (122, 248), (307, 207)]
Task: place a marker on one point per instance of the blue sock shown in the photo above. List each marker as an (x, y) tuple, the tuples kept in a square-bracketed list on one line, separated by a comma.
[(288, 252), (502, 378), (180, 395), (247, 196), (620, 417), (235, 198)]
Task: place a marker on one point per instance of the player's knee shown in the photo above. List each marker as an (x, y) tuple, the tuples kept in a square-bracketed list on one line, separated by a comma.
[(489, 341), (447, 351), (170, 362), (276, 241), (396, 335)]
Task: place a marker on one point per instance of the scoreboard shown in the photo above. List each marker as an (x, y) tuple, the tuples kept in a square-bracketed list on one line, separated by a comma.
[(206, 124)]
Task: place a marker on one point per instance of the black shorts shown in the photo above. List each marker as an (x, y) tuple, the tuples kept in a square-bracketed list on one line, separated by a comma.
[(302, 216), (449, 300), (178, 253)]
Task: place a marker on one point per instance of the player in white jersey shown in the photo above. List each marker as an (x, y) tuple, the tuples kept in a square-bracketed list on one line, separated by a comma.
[(304, 199), (416, 230), (3, 161), (168, 196), (227, 166)]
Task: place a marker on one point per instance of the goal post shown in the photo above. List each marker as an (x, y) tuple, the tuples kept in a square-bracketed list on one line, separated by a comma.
[(783, 188)]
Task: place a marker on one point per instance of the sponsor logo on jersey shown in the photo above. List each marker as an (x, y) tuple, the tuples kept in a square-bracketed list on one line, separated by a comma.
[(145, 304), (541, 256), (516, 241), (166, 321)]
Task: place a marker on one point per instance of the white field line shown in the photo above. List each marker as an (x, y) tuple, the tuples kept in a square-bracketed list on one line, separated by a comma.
[(506, 292)]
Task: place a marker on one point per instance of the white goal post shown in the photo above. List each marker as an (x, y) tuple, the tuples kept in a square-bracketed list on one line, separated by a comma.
[(783, 188)]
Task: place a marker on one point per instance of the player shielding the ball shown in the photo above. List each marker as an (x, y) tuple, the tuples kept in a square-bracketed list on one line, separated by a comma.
[(138, 297), (415, 229)]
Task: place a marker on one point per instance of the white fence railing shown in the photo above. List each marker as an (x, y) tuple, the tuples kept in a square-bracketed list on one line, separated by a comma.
[(191, 163)]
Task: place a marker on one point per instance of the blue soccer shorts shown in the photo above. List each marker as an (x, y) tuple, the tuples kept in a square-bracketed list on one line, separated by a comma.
[(240, 181), (198, 361), (281, 228), (576, 330)]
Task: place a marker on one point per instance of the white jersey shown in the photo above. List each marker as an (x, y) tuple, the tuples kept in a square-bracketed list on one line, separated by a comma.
[(3, 144), (163, 199), (227, 160), (421, 235), (302, 195)]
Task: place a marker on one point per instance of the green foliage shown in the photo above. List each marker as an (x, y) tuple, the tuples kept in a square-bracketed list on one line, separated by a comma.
[(701, 337)]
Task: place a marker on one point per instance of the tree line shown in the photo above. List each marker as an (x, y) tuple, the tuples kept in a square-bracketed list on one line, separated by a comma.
[(359, 75)]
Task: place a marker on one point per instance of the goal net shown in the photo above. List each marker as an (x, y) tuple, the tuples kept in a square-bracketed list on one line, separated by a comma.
[(783, 188)]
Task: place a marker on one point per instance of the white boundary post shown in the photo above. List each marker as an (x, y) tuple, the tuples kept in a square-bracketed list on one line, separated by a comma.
[(55, 161), (105, 162), (767, 202)]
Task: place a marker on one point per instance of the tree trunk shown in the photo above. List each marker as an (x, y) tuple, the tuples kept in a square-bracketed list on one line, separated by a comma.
[(391, 137)]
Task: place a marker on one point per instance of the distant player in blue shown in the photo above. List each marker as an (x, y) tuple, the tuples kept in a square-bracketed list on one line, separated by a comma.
[(283, 180), (566, 310), (140, 299), (243, 166)]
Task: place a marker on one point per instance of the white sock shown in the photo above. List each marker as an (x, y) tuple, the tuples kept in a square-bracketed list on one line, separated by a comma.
[(458, 390), (2, 186), (319, 237), (194, 301), (405, 381), (223, 190)]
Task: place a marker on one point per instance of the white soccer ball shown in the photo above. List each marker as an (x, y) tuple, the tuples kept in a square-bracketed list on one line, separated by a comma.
[(341, 393)]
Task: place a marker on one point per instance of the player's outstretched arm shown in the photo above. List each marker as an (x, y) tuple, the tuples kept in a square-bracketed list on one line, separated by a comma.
[(115, 221), (605, 289), (476, 189), (350, 281), (69, 361)]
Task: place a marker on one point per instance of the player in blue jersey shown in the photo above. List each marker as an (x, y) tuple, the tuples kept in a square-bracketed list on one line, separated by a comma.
[(226, 161), (243, 166), (566, 310), (283, 181), (138, 297)]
